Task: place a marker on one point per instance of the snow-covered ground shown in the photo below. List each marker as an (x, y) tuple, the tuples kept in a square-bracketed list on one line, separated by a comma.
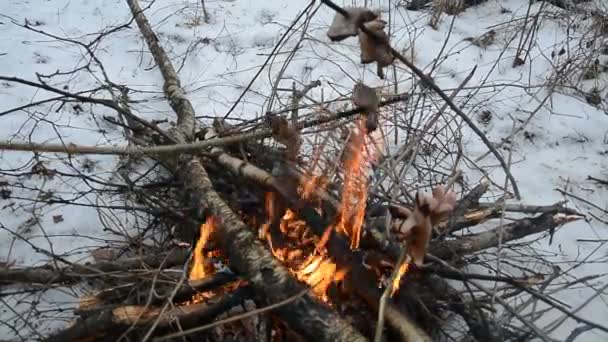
[(564, 142)]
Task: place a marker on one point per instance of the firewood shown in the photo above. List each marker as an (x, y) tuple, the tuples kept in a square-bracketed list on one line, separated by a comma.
[(512, 231), (114, 321), (477, 242)]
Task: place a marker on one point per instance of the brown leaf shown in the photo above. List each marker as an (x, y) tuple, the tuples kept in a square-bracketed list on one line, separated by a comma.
[(286, 134), (344, 27), (103, 254), (57, 218)]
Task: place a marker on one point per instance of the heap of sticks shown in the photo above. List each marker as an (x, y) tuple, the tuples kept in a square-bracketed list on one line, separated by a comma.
[(149, 296)]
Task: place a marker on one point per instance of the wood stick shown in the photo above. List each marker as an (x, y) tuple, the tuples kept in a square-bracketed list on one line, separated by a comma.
[(183, 147), (471, 244)]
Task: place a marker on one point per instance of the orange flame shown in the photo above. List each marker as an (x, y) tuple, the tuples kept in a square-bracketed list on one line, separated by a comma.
[(201, 267), (319, 272), (354, 193), (269, 204), (397, 281)]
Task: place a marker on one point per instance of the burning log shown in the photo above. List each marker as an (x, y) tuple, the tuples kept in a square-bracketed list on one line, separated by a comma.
[(270, 280)]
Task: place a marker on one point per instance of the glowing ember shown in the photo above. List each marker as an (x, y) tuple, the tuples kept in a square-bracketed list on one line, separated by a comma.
[(397, 281), (201, 266), (354, 192)]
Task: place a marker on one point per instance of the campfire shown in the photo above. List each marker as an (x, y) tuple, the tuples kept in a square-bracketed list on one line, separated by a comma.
[(308, 226), (289, 237), (273, 242), (319, 256)]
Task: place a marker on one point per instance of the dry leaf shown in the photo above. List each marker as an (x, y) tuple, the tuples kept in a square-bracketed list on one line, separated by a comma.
[(367, 98), (343, 27), (7, 264), (103, 254), (57, 218), (286, 134), (484, 40)]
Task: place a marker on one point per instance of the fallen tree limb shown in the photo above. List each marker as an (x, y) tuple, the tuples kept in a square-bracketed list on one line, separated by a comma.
[(469, 201), (78, 272), (416, 5), (529, 209), (183, 147), (234, 318), (513, 231), (270, 280), (186, 291), (470, 244)]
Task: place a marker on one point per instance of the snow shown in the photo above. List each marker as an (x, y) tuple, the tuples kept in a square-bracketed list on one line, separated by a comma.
[(565, 141)]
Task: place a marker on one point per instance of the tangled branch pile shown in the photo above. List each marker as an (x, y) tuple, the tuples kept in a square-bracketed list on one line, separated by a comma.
[(309, 228)]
